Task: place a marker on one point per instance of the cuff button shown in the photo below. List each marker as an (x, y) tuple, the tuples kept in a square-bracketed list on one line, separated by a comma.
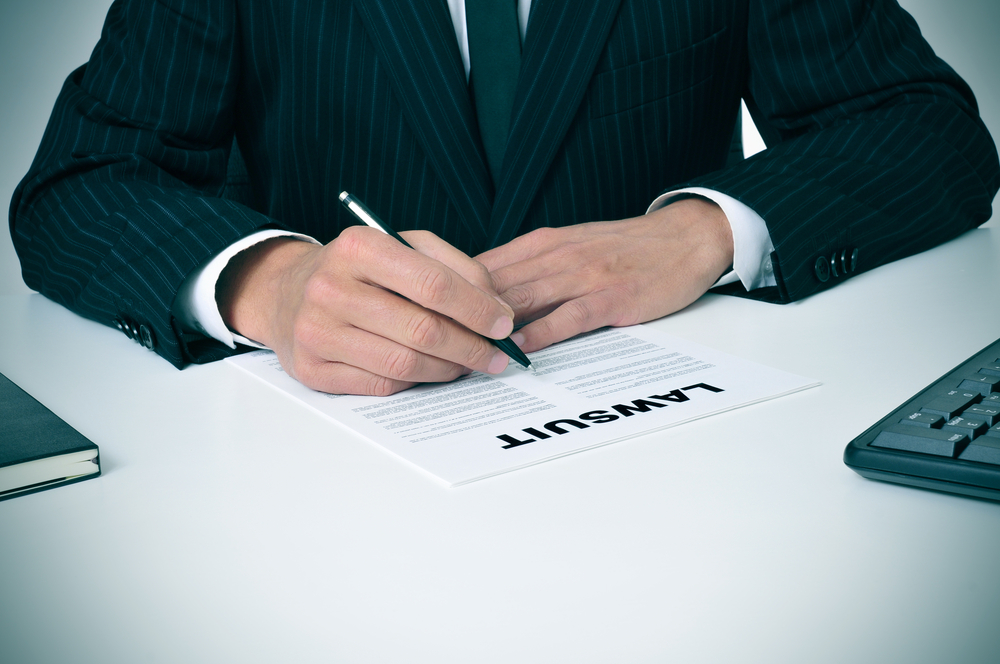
[(822, 269), (146, 337)]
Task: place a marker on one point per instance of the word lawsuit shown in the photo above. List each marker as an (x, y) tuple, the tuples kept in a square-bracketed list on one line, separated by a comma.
[(611, 414)]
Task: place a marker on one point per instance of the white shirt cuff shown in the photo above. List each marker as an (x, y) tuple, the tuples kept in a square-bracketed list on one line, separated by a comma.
[(752, 244), (195, 306)]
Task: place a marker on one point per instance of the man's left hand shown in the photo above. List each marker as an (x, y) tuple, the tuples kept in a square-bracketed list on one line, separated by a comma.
[(578, 278)]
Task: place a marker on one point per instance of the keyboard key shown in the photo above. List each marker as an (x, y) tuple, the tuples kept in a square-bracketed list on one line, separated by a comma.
[(991, 400), (925, 441), (989, 413), (993, 432), (984, 450), (985, 383), (972, 426), (991, 369), (925, 420), (951, 404)]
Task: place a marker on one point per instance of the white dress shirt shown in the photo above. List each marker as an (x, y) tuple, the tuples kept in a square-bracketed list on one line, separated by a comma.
[(196, 308)]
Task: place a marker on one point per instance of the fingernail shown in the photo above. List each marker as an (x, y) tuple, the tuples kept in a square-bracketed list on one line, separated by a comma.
[(517, 338), (498, 363), (502, 328)]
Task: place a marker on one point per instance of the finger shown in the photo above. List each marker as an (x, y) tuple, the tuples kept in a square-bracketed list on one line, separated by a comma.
[(382, 261), (434, 247), (537, 282), (349, 360), (536, 286), (341, 378), (469, 268), (571, 318), (422, 344), (540, 297), (521, 248), (555, 258)]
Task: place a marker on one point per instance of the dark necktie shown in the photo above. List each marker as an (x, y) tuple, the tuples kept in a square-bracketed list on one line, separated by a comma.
[(495, 61)]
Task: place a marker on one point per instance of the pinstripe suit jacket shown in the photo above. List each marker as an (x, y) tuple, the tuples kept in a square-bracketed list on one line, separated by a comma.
[(874, 143)]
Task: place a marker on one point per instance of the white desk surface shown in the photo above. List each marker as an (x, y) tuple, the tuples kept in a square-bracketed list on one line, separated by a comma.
[(234, 525)]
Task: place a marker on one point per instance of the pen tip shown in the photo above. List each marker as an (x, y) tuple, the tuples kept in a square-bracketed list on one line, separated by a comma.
[(343, 195)]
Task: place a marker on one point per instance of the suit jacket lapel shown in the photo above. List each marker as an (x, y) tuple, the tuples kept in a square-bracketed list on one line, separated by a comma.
[(562, 45), (416, 41)]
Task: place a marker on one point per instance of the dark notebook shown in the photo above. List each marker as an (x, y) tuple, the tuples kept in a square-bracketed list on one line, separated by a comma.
[(37, 449)]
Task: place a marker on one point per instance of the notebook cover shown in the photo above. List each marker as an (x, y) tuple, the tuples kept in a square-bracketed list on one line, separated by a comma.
[(30, 431)]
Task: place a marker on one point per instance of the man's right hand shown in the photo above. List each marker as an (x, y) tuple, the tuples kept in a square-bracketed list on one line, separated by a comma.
[(365, 314)]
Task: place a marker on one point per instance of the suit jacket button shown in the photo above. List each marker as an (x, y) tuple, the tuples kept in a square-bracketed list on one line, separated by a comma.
[(854, 260), (822, 269), (146, 337), (126, 328)]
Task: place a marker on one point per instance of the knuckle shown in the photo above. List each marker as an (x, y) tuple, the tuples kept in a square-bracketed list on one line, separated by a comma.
[(319, 288), (481, 276), (400, 364), (432, 284), (581, 312), (381, 386), (544, 328), (480, 354), (520, 298), (425, 330), (502, 280), (480, 316), (543, 235), (350, 241), (306, 333)]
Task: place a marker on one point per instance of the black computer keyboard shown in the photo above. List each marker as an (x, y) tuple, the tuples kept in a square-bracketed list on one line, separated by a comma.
[(946, 438)]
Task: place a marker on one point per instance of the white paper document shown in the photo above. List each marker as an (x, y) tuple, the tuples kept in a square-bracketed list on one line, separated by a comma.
[(592, 390)]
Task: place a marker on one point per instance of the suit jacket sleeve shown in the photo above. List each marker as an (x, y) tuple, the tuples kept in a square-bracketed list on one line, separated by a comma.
[(874, 143), (123, 198)]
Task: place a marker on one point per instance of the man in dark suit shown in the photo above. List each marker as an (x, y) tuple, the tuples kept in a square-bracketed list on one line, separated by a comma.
[(876, 151)]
